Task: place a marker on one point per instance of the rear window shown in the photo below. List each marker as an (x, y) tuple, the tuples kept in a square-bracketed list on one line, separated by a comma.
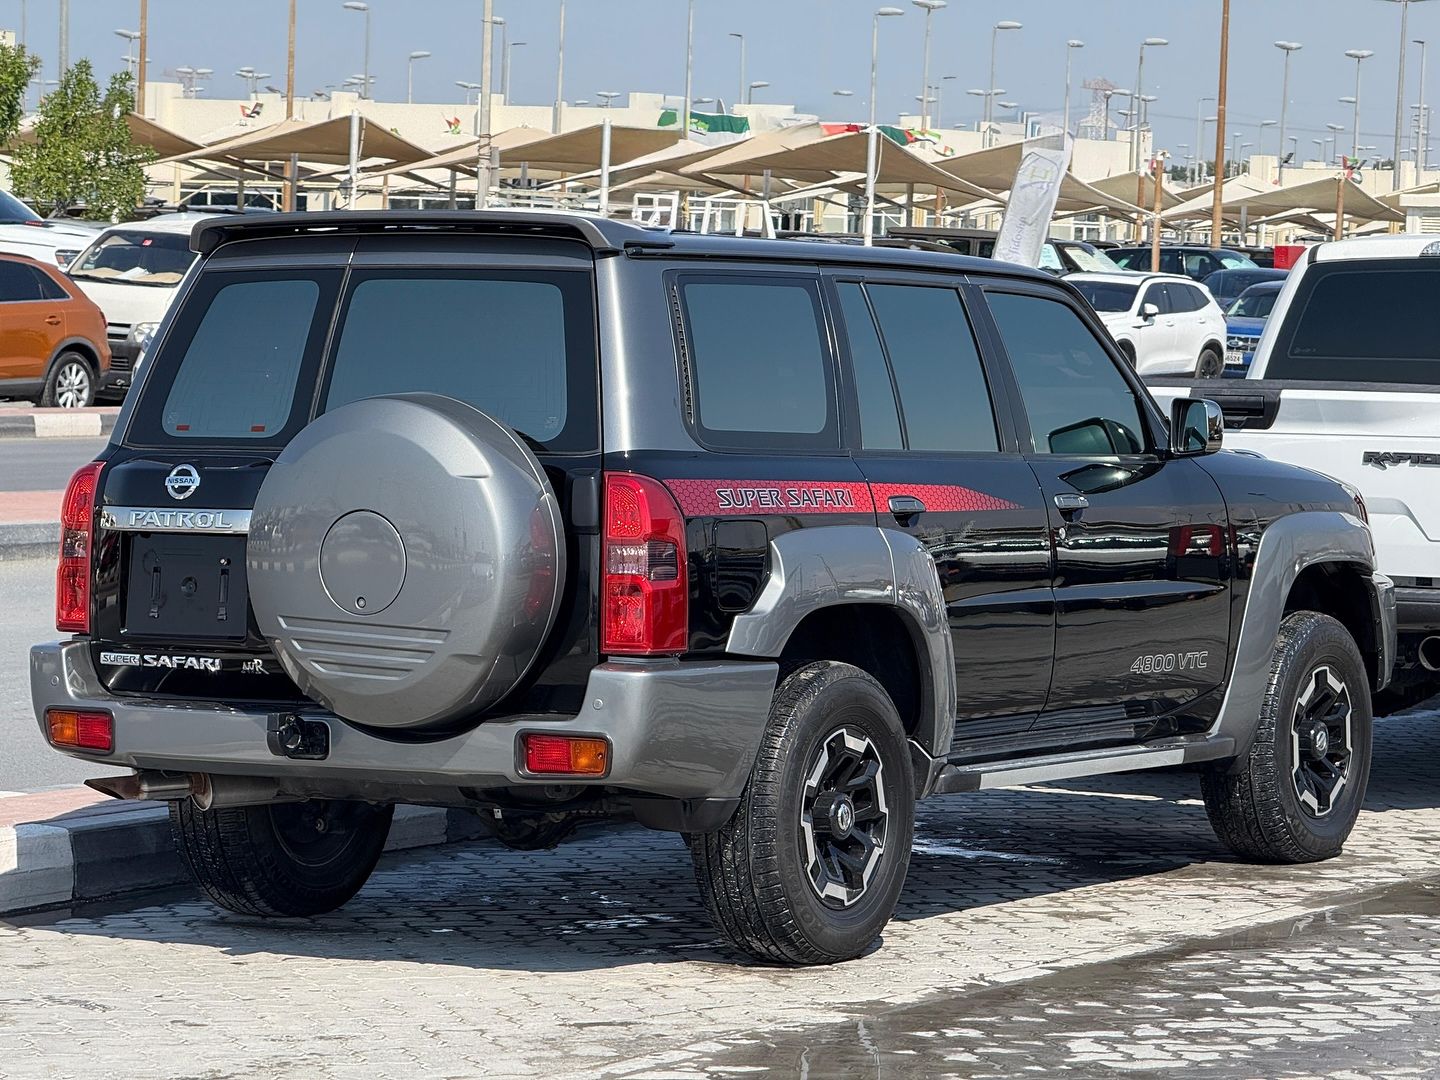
[(1255, 304), (1107, 295), (1370, 321)]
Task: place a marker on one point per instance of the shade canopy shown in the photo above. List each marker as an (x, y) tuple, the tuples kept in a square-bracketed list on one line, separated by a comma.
[(1316, 196), (994, 169), (463, 158), (579, 151), (326, 142), (1138, 188)]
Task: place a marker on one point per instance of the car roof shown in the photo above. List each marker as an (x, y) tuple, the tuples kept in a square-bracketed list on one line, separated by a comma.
[(183, 223), (1131, 277), (1401, 246), (1265, 286), (604, 236)]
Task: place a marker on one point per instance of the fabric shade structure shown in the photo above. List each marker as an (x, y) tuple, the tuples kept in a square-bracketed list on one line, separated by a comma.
[(162, 140), (1316, 197), (655, 167), (1199, 201), (462, 158), (1138, 187), (326, 142), (579, 151), (996, 167)]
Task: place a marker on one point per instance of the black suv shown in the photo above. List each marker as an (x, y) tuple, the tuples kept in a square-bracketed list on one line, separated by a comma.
[(757, 541), (1196, 263)]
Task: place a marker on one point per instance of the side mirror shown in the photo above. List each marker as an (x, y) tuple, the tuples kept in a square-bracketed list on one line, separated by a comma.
[(1149, 311), (1197, 426)]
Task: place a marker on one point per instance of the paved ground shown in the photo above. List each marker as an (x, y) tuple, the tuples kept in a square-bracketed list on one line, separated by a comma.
[(1090, 928), (27, 615), (43, 464)]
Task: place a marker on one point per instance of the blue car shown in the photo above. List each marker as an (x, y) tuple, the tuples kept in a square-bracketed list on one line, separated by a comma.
[(1244, 323)]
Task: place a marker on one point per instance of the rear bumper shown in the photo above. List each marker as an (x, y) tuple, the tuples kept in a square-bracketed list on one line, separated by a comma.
[(678, 729), (1417, 609)]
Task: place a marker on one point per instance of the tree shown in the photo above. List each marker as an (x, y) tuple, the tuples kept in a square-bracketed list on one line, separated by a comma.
[(83, 154), (17, 68)]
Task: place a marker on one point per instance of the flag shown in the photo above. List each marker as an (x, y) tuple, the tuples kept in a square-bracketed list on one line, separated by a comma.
[(713, 129)]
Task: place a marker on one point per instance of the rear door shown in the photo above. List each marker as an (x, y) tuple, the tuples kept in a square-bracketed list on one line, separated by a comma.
[(26, 338), (1155, 337), (937, 446), (1141, 540)]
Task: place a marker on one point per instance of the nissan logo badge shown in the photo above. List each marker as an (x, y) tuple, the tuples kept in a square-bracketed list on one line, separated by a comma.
[(182, 481)]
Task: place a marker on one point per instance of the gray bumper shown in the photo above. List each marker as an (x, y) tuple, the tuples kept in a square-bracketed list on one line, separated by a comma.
[(678, 729)]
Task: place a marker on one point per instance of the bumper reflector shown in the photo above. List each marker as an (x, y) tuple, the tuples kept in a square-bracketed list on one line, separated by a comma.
[(562, 755), (81, 730)]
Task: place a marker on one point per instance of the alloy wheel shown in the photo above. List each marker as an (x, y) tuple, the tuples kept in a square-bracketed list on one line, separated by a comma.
[(1321, 741), (72, 385), (843, 817)]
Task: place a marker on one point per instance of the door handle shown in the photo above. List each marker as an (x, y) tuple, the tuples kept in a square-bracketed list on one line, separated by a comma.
[(905, 506), (1070, 504), (53, 320)]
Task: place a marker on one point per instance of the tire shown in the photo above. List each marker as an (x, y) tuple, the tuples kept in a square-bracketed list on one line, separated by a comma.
[(70, 383), (266, 860), (828, 721), (1211, 364), (1256, 805), (1128, 351)]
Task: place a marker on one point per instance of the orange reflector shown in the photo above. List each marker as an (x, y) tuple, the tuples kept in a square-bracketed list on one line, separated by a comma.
[(81, 730), (564, 755)]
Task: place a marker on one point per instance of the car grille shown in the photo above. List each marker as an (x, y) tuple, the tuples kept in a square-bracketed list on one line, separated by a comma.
[(118, 336), (1244, 344)]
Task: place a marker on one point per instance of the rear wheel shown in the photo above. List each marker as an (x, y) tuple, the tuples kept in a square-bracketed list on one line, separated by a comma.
[(1297, 793), (70, 383), (810, 868), (302, 858), (1211, 364)]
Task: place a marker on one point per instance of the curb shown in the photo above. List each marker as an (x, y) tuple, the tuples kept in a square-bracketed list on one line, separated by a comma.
[(57, 423), (29, 541), (108, 849)]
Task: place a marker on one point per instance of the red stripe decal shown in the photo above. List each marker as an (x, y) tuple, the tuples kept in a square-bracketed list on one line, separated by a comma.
[(715, 498)]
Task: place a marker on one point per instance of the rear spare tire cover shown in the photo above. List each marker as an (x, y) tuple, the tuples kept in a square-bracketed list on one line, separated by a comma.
[(406, 560)]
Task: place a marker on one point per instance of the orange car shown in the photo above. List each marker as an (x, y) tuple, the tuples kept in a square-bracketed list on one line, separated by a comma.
[(53, 349)]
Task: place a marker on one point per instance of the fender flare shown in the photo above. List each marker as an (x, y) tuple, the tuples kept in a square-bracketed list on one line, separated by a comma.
[(814, 569)]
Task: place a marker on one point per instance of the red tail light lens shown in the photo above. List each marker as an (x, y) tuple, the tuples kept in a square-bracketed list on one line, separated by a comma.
[(77, 533), (566, 755), (81, 730), (645, 590)]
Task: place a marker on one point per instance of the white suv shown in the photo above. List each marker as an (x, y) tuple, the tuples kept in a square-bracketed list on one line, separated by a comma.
[(24, 232), (1165, 324)]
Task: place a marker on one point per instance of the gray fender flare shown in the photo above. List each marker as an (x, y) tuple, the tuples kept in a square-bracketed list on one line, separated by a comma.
[(1288, 547), (813, 569)]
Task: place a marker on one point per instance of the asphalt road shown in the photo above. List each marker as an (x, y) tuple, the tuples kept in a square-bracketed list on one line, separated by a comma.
[(27, 615), (43, 464)]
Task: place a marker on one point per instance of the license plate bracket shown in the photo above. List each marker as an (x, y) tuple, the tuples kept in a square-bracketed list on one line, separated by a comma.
[(180, 586)]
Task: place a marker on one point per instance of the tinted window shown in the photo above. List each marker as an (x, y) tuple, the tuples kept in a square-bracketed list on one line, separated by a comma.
[(944, 399), (760, 364), (879, 415), (1126, 259), (141, 258), (1106, 295), (1159, 295), (1075, 397), (1374, 321), (1234, 258), (1255, 304), (1050, 258), (504, 343), (237, 375), (1185, 298), (17, 282), (49, 288), (13, 210)]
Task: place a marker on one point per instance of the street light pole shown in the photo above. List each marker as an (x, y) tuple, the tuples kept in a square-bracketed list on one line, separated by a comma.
[(1359, 56), (1400, 88), (929, 7), (1422, 131), (505, 68), (504, 48), (364, 9), (758, 84), (872, 146), (1287, 47), (484, 164), (560, 71), (1005, 24), (144, 43), (289, 79), (1200, 139), (1151, 42), (689, 67), (1260, 142), (1070, 47), (418, 54), (741, 95)]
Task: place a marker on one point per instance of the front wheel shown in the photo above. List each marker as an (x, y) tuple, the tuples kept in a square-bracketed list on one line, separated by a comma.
[(70, 383), (1211, 364), (810, 868), (303, 858), (1297, 794)]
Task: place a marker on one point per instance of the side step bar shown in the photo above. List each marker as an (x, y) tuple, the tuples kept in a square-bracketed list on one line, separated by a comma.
[(983, 776)]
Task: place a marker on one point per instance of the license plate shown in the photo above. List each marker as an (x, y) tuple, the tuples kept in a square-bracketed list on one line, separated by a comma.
[(1234, 358)]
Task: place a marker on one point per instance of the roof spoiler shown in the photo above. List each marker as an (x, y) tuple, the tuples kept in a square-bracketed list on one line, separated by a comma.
[(604, 237)]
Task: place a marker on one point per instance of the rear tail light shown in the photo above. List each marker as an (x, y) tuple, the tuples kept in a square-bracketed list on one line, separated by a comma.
[(645, 591), (81, 730), (77, 533), (566, 755)]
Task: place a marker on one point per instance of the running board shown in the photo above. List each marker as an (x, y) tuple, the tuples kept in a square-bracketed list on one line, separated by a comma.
[(983, 776)]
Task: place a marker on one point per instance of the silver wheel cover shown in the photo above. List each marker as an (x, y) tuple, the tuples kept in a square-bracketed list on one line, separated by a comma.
[(406, 560)]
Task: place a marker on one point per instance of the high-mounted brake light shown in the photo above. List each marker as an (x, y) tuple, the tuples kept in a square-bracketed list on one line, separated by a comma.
[(645, 606), (77, 534)]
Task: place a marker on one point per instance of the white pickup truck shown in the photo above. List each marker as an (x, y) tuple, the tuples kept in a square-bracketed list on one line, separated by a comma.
[(1346, 381)]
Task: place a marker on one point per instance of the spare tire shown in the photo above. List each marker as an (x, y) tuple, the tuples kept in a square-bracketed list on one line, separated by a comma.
[(406, 560)]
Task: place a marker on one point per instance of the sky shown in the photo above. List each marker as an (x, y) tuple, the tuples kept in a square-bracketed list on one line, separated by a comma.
[(805, 49)]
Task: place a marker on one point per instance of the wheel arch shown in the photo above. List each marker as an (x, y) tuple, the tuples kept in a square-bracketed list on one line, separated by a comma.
[(1341, 590), (79, 345)]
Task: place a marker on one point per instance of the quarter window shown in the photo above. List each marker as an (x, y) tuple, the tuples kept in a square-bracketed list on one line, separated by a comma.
[(18, 282), (879, 414), (1075, 398)]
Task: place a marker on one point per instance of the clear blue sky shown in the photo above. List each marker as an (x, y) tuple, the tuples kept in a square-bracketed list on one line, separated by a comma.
[(804, 48)]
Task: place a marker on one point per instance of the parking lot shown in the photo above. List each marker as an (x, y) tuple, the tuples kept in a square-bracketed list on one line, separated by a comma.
[(1091, 927)]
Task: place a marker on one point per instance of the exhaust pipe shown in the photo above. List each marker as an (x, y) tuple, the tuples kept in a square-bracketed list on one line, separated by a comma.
[(146, 785), (208, 792), (1430, 653)]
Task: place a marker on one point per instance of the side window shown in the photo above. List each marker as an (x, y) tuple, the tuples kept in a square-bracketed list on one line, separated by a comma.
[(1158, 295), (48, 288), (879, 414), (1196, 300), (1050, 258), (760, 365), (17, 283), (944, 399), (1075, 397), (1169, 263)]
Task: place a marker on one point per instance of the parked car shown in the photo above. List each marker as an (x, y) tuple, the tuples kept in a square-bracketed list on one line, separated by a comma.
[(1057, 257), (1227, 285), (24, 232), (1345, 379), (560, 518), (133, 271), (1245, 322), (1162, 323), (1196, 263), (52, 338)]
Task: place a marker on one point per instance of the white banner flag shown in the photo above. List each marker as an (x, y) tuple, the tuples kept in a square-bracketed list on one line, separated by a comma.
[(1031, 205)]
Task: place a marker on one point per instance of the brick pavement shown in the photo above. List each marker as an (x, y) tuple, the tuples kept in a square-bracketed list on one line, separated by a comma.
[(595, 959)]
